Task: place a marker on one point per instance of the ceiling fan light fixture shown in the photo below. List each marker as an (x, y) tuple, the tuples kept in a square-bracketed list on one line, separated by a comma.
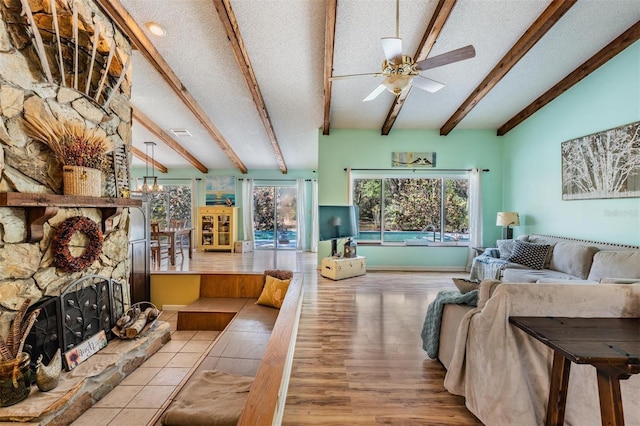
[(156, 29), (397, 84)]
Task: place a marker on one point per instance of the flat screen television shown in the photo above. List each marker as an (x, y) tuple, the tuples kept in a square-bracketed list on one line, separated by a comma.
[(336, 222)]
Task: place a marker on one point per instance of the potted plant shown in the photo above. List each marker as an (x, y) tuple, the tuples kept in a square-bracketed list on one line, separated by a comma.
[(82, 151), (15, 371)]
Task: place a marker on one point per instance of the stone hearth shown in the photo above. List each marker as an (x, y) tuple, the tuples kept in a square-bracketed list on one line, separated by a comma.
[(89, 382)]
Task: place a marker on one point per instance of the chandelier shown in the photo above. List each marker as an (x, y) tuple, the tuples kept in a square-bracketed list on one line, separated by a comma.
[(150, 182)]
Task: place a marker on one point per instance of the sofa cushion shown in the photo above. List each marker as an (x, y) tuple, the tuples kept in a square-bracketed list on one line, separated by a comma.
[(541, 240), (528, 254), (515, 275), (506, 248), (615, 264), (572, 258)]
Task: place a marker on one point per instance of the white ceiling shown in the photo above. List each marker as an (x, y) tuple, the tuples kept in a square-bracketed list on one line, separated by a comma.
[(285, 40)]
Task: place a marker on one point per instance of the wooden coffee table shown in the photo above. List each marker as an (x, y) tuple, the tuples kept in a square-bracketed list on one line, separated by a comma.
[(611, 345)]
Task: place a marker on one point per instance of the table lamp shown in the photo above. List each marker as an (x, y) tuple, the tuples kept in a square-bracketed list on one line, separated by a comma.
[(507, 219)]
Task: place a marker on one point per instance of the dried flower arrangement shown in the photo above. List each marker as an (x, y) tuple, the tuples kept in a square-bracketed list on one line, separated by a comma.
[(12, 348), (72, 143)]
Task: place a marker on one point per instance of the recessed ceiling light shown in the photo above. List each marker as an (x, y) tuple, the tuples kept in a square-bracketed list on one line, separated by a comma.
[(156, 29)]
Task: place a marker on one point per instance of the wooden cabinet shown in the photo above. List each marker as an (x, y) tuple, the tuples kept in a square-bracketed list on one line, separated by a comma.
[(217, 228)]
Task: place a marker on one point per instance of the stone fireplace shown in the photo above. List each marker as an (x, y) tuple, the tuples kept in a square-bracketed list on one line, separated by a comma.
[(41, 76)]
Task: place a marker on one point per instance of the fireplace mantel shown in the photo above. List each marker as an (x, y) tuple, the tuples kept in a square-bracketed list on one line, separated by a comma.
[(41, 207)]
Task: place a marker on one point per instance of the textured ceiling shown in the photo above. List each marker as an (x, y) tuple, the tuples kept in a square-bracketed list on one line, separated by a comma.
[(284, 40)]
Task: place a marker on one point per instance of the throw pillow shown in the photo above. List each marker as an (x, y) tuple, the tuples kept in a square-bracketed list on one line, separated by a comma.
[(506, 248), (273, 292), (528, 254), (465, 286)]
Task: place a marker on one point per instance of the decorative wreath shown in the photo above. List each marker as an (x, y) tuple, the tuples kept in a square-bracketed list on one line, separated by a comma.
[(62, 257)]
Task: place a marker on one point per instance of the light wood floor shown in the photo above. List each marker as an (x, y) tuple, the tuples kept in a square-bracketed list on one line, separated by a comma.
[(358, 358)]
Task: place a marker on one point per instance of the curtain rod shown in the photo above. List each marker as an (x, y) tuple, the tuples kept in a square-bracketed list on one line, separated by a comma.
[(400, 169), (278, 180), (159, 178)]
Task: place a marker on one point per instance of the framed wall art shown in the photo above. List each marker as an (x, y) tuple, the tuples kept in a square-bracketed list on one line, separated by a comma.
[(602, 165), (220, 191), (413, 159)]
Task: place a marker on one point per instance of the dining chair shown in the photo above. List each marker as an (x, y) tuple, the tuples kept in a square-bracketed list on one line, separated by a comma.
[(179, 241), (159, 246)]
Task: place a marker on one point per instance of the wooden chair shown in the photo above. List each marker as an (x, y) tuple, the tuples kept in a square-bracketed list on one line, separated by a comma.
[(179, 243), (159, 246)]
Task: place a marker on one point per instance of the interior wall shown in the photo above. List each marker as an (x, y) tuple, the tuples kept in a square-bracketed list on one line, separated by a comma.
[(608, 98), (275, 177), (462, 149)]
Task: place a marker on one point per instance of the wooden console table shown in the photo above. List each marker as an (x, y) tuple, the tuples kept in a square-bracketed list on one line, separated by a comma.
[(611, 345)]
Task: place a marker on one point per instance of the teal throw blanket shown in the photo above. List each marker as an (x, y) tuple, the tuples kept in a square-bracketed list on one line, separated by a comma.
[(431, 326)]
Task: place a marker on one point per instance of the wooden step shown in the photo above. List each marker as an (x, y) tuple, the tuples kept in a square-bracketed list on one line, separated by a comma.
[(210, 313)]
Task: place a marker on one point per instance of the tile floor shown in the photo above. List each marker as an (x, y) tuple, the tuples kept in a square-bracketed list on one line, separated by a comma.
[(146, 391)]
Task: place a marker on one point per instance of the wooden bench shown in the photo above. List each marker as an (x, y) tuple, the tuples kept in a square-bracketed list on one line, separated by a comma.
[(227, 304)]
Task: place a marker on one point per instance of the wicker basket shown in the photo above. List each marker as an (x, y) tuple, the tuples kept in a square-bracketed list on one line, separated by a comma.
[(82, 181)]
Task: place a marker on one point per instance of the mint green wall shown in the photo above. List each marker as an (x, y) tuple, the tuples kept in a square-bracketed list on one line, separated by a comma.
[(608, 98), (274, 177), (462, 149)]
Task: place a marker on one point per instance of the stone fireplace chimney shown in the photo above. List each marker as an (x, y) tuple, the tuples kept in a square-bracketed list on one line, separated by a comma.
[(40, 75)]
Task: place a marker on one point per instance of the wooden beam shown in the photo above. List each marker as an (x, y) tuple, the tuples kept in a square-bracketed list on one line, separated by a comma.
[(605, 54), (539, 28), (329, 43), (439, 18), (230, 24), (150, 125), (141, 155), (140, 41)]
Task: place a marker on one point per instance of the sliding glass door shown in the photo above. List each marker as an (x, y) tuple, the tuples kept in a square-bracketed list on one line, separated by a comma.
[(274, 217)]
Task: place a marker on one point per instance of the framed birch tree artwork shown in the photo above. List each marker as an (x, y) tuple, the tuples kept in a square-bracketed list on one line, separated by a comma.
[(602, 165)]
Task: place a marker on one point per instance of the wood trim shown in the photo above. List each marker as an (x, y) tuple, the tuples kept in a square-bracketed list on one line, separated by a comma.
[(150, 125), (141, 155), (230, 24), (268, 392), (329, 44), (438, 20), (536, 31), (120, 16), (623, 41)]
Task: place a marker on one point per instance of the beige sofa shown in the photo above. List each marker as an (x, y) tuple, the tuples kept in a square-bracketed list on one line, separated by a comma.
[(503, 373)]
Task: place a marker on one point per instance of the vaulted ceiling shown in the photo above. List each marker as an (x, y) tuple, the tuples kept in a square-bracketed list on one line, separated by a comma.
[(249, 80)]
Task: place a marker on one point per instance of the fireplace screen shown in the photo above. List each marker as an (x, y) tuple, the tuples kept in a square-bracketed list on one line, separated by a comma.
[(85, 307)]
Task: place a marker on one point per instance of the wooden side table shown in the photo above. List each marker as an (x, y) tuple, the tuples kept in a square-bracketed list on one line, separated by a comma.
[(611, 345)]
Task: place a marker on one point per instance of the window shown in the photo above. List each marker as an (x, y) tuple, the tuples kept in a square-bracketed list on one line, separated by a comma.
[(395, 210), (174, 203)]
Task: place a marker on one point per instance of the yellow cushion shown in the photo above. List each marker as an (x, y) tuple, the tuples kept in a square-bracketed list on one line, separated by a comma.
[(273, 292)]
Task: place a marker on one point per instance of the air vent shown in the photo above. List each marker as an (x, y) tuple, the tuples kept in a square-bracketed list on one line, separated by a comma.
[(181, 133)]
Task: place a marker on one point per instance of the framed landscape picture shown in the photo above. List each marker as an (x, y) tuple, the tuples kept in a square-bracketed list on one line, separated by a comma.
[(220, 191), (602, 165)]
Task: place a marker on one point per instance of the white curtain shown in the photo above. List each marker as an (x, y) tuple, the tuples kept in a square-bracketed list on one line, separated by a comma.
[(247, 209), (314, 217), (301, 215), (475, 213)]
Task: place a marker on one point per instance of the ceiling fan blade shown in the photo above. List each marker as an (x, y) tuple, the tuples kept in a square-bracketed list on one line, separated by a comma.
[(376, 92), (392, 47), (427, 84), (447, 58), (343, 77)]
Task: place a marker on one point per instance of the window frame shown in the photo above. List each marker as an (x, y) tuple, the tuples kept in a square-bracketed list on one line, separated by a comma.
[(410, 174)]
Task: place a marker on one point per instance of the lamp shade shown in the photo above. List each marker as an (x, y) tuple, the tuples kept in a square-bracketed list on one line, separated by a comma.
[(508, 219)]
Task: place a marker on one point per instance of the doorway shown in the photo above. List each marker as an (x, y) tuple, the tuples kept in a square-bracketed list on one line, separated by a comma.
[(274, 217)]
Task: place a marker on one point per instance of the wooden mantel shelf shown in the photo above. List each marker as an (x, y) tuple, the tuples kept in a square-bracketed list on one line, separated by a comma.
[(42, 207)]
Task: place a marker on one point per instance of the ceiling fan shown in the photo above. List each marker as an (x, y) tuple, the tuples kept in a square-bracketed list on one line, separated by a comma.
[(400, 71)]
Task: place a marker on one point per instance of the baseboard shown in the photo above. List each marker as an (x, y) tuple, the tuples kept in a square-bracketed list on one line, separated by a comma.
[(417, 268)]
